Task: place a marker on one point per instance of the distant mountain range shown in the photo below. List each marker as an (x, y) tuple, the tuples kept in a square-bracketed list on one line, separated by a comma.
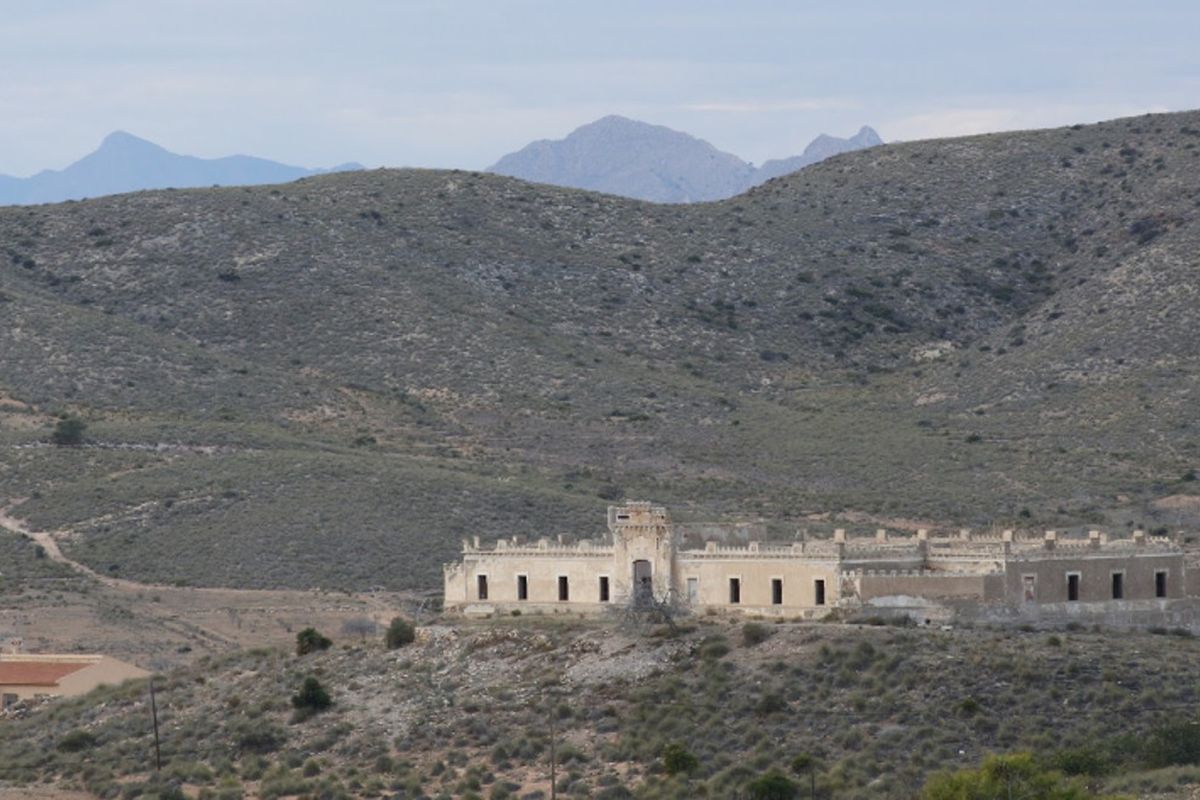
[(635, 159), (125, 163), (819, 149), (614, 155)]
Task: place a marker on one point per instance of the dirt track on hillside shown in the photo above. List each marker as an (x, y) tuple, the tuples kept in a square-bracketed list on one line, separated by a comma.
[(159, 625)]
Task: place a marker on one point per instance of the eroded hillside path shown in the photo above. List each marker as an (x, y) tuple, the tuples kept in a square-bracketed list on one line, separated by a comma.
[(164, 617), (171, 604), (47, 541)]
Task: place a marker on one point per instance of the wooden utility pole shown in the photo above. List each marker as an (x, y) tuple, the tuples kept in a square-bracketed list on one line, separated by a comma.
[(553, 753), (154, 716)]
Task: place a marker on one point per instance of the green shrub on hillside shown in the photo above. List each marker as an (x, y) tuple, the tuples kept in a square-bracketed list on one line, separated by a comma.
[(76, 741), (714, 647), (676, 759), (310, 640), (774, 785), (258, 736), (1173, 745), (1016, 775), (69, 431), (803, 763), (1092, 760), (311, 699), (754, 633), (399, 633)]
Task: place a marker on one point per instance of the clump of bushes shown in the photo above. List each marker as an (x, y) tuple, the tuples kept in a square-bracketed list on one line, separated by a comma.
[(714, 647), (310, 640), (754, 633), (258, 736), (676, 759), (1016, 775), (1173, 744), (773, 785), (399, 633), (311, 699), (1091, 760), (969, 707), (77, 740), (770, 703), (68, 431)]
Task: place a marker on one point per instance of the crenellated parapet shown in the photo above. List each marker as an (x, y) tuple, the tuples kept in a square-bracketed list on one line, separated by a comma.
[(643, 560), (919, 573), (646, 520), (762, 550), (516, 547)]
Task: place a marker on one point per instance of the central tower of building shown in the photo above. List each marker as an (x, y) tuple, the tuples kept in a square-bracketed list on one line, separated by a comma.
[(643, 552)]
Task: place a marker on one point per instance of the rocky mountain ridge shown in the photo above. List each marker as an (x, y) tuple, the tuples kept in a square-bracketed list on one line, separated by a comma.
[(634, 159), (819, 149), (126, 163)]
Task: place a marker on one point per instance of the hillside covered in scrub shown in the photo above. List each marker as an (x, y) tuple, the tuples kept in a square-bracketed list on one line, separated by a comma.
[(705, 711), (329, 382)]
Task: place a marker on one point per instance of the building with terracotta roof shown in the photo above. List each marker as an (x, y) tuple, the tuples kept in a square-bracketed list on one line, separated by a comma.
[(24, 676)]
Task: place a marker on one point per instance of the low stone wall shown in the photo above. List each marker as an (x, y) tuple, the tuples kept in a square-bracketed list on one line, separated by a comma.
[(535, 609), (920, 610), (1119, 614)]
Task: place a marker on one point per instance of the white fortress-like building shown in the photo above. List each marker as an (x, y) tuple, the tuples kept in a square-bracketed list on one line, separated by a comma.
[(939, 575)]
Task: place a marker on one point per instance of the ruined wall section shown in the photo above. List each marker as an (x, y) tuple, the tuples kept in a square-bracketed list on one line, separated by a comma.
[(1096, 570), (934, 585)]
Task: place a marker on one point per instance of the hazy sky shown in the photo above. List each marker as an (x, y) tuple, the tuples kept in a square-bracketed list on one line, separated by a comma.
[(458, 84)]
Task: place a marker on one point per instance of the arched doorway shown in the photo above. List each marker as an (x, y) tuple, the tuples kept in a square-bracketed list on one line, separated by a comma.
[(643, 582)]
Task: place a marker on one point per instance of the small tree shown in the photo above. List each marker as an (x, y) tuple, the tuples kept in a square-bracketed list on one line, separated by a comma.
[(773, 785), (310, 641), (311, 699), (68, 431), (677, 759), (359, 626), (803, 763), (399, 633)]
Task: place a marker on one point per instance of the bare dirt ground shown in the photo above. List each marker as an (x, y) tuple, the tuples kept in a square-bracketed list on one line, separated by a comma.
[(41, 793), (159, 626)]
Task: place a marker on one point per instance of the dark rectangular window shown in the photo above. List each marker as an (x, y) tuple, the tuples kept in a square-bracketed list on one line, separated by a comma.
[(522, 587), (603, 588), (819, 586), (735, 590), (1072, 587), (564, 591), (481, 586), (777, 591), (1118, 586), (1160, 583)]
